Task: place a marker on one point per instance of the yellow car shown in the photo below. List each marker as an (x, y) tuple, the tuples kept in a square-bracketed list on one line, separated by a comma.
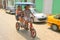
[(54, 22)]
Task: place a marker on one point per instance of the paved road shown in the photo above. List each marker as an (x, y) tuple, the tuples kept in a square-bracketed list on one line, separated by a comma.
[(8, 31)]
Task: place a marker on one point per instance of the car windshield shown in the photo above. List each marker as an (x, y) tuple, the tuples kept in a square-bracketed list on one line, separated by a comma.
[(33, 10), (57, 16)]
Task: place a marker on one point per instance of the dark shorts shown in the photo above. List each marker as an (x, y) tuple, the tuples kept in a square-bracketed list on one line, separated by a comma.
[(17, 17)]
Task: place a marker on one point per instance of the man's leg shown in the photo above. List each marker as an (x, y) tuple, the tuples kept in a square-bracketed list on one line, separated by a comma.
[(31, 25), (26, 22), (16, 17)]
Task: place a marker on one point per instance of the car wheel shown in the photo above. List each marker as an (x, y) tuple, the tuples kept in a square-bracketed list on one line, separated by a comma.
[(10, 13), (54, 27), (32, 19)]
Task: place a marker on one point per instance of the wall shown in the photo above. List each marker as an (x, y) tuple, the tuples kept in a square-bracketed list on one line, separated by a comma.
[(47, 8), (39, 5), (56, 7)]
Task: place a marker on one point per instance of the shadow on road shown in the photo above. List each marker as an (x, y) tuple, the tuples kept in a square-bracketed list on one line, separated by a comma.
[(26, 34), (54, 31), (40, 23), (10, 13)]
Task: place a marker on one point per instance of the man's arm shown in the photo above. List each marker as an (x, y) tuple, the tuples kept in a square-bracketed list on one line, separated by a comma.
[(16, 12), (32, 13), (24, 13)]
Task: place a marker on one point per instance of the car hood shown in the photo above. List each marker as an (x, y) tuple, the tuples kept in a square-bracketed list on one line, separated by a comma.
[(51, 17), (40, 15), (11, 7)]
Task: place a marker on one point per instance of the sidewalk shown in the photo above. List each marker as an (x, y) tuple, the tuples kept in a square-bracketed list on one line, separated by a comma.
[(2, 11)]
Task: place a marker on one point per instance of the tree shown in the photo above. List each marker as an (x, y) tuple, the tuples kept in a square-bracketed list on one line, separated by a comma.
[(25, 0)]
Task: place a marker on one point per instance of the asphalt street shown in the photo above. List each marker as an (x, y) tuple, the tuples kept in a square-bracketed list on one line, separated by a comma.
[(8, 30)]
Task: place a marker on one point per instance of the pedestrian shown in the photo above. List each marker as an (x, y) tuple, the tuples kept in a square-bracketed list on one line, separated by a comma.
[(18, 12)]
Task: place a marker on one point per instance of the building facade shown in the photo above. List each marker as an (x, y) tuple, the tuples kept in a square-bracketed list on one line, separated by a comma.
[(45, 6), (56, 7), (48, 6), (1, 4), (51, 6)]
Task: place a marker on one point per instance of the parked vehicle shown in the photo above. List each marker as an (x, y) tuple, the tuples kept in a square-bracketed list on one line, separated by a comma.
[(10, 9), (54, 22), (39, 17)]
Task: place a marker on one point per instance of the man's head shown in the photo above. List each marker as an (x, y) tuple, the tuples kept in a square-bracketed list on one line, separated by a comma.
[(19, 8), (27, 7)]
